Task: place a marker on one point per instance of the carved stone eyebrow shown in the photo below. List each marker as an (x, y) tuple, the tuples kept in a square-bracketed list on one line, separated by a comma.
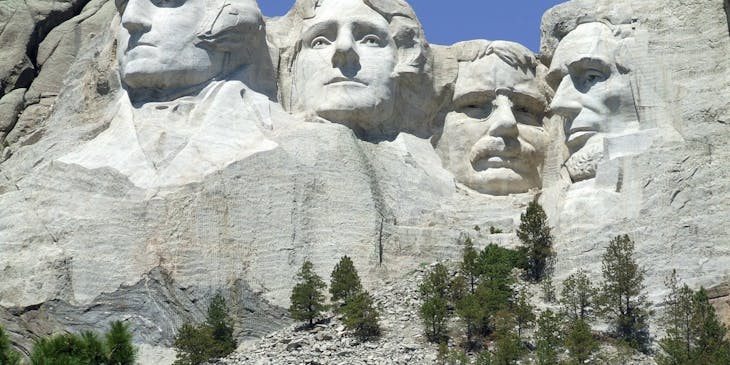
[(326, 28), (592, 62), (476, 97), (362, 28)]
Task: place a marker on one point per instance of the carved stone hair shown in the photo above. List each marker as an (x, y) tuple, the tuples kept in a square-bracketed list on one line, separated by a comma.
[(236, 28), (511, 53)]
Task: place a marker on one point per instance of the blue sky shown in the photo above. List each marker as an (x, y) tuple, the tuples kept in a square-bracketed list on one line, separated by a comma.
[(450, 21)]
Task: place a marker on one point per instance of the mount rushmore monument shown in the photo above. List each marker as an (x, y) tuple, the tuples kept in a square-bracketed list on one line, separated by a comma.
[(155, 152)]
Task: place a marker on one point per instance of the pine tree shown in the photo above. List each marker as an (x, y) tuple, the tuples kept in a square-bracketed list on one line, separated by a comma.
[(344, 281), (434, 292), (197, 344), (712, 345), (508, 346), (537, 241), (472, 314), (580, 342), (194, 344), (679, 341), (7, 354), (470, 265), (219, 321), (360, 315), (119, 345), (577, 297), (623, 300), (523, 311), (307, 299), (548, 338)]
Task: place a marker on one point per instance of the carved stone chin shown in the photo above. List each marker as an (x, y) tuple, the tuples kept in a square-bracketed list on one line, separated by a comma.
[(582, 165)]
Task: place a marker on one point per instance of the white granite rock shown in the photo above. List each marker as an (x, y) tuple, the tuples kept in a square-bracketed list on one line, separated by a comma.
[(142, 189)]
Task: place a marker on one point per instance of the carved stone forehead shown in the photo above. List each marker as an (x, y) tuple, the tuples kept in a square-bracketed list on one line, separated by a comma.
[(587, 41), (490, 74), (344, 9)]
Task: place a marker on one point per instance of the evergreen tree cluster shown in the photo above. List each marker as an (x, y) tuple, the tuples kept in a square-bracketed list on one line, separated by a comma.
[(356, 305), (197, 344), (87, 348), (481, 294), (694, 333)]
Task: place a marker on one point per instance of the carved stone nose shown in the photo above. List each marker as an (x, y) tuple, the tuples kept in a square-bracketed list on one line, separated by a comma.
[(136, 17), (566, 101), (503, 121)]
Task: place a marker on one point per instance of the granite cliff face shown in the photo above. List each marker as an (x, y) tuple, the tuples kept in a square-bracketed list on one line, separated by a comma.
[(109, 213)]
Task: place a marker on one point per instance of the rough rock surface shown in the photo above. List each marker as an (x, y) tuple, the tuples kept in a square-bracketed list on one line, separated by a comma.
[(81, 247)]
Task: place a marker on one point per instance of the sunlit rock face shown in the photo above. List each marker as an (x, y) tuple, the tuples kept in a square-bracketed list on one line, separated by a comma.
[(494, 139), (643, 133), (593, 92), (149, 181)]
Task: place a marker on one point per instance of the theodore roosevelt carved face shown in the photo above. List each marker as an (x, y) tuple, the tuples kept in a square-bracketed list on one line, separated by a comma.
[(493, 138), (593, 94)]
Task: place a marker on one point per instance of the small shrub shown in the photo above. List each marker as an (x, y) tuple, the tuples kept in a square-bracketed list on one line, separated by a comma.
[(360, 316)]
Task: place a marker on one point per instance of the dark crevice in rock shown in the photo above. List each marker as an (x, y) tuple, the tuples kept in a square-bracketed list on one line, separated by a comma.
[(727, 14), (45, 26)]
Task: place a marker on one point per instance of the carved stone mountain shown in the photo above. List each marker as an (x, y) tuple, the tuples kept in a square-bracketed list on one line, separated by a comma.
[(108, 213)]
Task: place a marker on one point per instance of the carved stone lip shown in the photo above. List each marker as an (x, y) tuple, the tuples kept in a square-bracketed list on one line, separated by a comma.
[(579, 136), (491, 159), (141, 44), (346, 81)]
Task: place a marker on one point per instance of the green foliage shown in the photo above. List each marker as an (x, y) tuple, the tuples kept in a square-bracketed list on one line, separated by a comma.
[(495, 284), (119, 345), (484, 358), (307, 299), (494, 230), (548, 338), (360, 316), (84, 349), (523, 311), (7, 354), (577, 297), (622, 296), (694, 333), (548, 289), (473, 315), (507, 345), (197, 344), (344, 281), (434, 291), (580, 342), (537, 241), (219, 321), (194, 344), (470, 267)]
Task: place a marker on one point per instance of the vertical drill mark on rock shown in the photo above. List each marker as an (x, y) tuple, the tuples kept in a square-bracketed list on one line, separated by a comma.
[(727, 14), (380, 242)]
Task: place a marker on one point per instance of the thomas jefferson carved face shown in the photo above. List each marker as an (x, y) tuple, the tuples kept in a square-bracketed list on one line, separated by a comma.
[(593, 94), (157, 44), (493, 139), (344, 70)]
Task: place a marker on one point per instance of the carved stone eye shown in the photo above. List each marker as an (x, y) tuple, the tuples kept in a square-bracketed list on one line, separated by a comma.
[(594, 76), (371, 40), (319, 42)]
